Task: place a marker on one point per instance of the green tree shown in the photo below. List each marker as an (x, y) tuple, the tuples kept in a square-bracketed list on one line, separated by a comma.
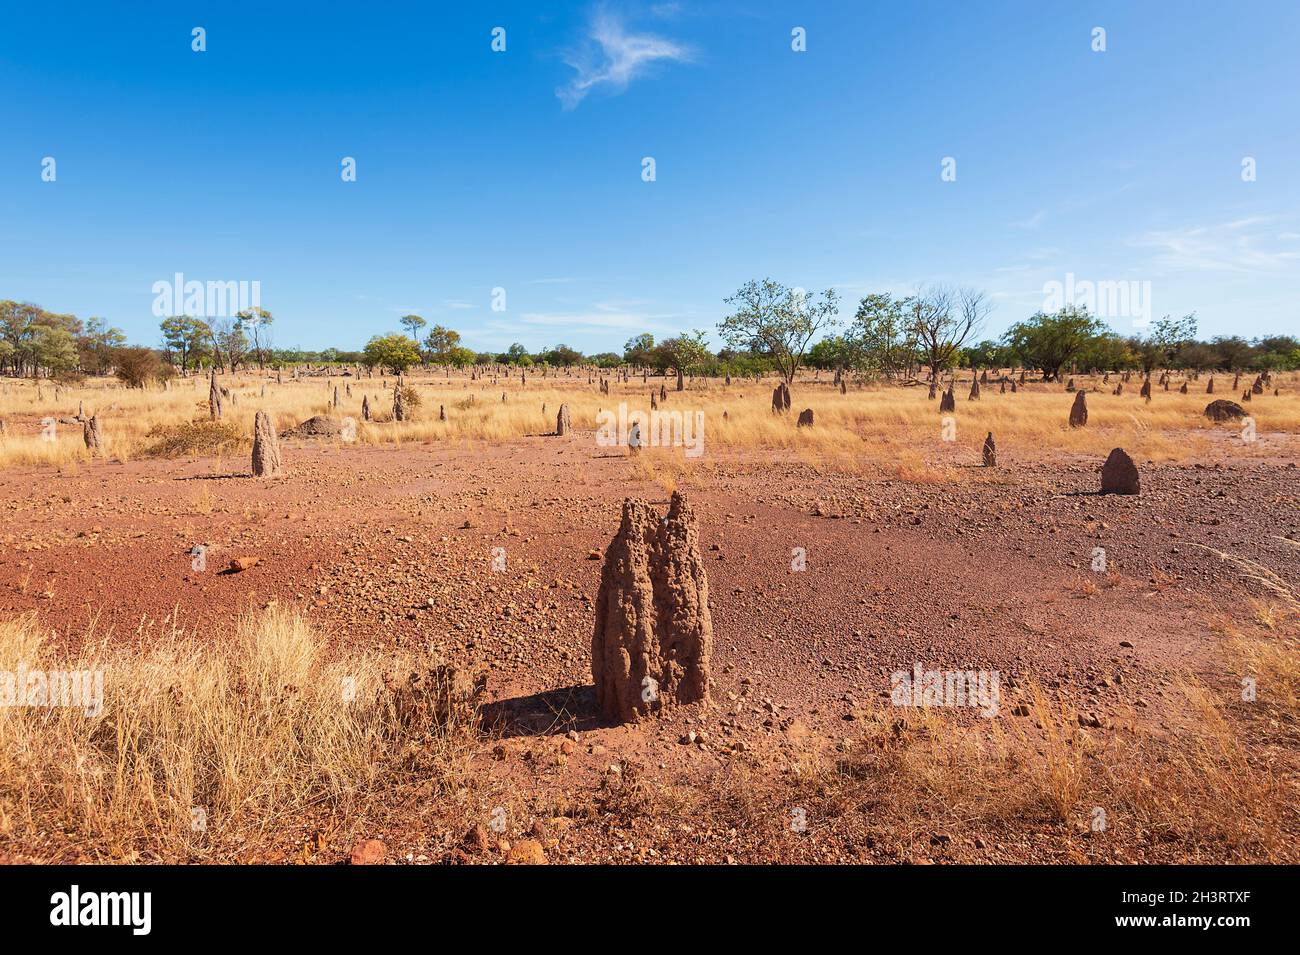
[(987, 354), (413, 324), (258, 320), (881, 338), (1107, 352), (562, 356), (639, 349), (439, 343), (831, 352), (1170, 335), (96, 344), (1234, 352), (394, 352), (229, 343), (187, 338), (777, 321), (54, 347), (1277, 352), (459, 357), (38, 340), (1049, 342), (682, 353)]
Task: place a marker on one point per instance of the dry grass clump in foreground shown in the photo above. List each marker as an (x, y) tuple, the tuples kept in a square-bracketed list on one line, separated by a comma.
[(1263, 646), (918, 785), (201, 749)]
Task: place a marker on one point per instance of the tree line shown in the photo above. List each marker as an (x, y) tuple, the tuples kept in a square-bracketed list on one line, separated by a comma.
[(771, 328)]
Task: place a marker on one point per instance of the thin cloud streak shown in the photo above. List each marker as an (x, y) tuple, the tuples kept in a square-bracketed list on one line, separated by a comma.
[(621, 58), (1225, 247)]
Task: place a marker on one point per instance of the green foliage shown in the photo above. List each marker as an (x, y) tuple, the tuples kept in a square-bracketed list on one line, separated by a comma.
[(459, 357), (882, 339), (439, 344), (772, 329), (96, 346), (1168, 336), (516, 354), (395, 352), (831, 352), (682, 353), (413, 324), (1107, 352), (987, 354), (561, 356), (639, 350), (186, 339), (777, 321), (1049, 342), (256, 320), (38, 340)]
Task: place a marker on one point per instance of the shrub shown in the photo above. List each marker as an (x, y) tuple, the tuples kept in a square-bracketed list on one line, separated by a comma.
[(194, 437), (137, 367)]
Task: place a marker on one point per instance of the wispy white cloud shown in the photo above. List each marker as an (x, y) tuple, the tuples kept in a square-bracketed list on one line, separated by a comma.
[(612, 57), (1242, 245)]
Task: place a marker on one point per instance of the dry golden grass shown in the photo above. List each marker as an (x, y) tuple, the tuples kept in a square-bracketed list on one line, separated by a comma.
[(895, 426), (1218, 785), (192, 438), (1262, 640), (1214, 785), (921, 782), (202, 748)]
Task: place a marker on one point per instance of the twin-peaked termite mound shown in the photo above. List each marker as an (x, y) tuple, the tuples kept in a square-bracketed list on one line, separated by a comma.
[(654, 636)]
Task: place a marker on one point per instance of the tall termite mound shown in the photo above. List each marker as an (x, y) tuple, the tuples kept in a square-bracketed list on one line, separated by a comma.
[(92, 434), (266, 447), (215, 401), (948, 402), (1079, 410), (654, 635)]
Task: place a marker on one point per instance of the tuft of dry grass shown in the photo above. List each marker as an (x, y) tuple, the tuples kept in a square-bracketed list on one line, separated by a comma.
[(201, 748), (1059, 772), (1267, 653)]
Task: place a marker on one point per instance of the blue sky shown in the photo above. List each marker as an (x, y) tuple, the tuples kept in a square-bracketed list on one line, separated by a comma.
[(523, 170)]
